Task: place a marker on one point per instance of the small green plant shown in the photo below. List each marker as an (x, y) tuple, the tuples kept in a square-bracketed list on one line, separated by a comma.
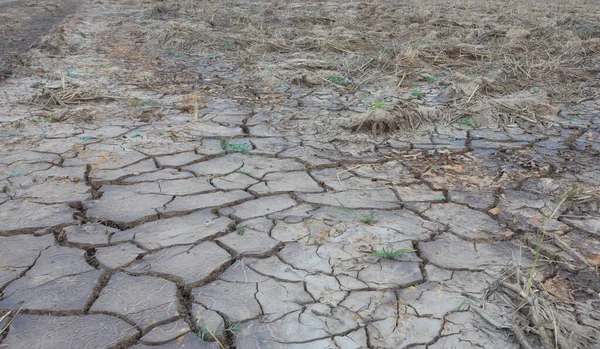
[(144, 23), (229, 45), (244, 172), (466, 122), (368, 219), (416, 93), (432, 79), (213, 56), (202, 334), (15, 175), (84, 137), (136, 102), (136, 134), (392, 253), (363, 219), (452, 137), (337, 80), (230, 147), (170, 52), (240, 229), (376, 105), (234, 328), (460, 308), (534, 90), (568, 195), (440, 198), (5, 189), (231, 5)]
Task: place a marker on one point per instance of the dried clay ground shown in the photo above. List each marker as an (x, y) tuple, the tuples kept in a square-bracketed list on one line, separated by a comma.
[(299, 174)]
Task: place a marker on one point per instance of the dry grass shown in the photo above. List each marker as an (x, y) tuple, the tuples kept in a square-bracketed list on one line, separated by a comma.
[(536, 318), (505, 48), (521, 39), (65, 94)]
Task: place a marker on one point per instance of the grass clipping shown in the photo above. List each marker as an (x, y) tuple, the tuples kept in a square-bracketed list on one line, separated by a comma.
[(537, 316), (65, 94), (466, 98)]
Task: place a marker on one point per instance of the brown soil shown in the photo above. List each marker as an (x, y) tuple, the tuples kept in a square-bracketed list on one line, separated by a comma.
[(23, 23)]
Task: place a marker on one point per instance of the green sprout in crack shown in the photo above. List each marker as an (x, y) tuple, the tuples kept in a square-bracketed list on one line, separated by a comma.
[(229, 45), (337, 80), (202, 334), (244, 172), (136, 102), (236, 326), (466, 122), (230, 147), (240, 229), (452, 137), (463, 306), (392, 253), (416, 93), (370, 219), (376, 105), (432, 79), (534, 90), (144, 23)]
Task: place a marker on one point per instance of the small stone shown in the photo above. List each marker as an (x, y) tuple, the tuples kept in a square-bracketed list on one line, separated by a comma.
[(166, 332)]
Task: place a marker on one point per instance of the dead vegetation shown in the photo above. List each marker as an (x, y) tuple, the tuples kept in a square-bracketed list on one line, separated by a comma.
[(65, 94), (489, 54), (538, 319)]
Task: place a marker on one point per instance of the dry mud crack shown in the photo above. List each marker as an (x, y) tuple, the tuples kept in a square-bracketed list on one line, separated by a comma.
[(160, 199)]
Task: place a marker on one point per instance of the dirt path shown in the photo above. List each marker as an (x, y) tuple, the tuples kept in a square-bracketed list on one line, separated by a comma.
[(157, 199), (23, 23)]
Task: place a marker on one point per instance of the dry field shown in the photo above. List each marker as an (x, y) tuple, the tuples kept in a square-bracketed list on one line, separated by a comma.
[(279, 174)]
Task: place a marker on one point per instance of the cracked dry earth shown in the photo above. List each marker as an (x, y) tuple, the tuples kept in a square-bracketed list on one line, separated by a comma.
[(135, 227)]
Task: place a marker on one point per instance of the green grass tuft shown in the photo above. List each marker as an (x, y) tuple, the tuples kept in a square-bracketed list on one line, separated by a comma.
[(392, 253), (230, 147), (466, 122), (337, 80)]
